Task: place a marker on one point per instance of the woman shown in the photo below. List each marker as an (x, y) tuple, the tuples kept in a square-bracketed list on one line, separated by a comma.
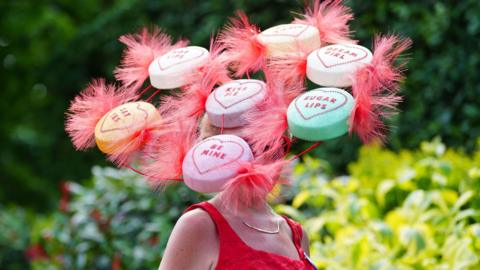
[(209, 235)]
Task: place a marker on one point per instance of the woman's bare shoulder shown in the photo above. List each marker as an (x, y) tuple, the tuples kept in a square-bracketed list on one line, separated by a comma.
[(196, 219), (194, 237)]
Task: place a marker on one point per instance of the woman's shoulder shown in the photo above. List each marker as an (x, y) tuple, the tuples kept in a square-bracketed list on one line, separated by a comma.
[(194, 237), (196, 223)]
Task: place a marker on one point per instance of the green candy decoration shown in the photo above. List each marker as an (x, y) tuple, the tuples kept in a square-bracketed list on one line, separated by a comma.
[(320, 114)]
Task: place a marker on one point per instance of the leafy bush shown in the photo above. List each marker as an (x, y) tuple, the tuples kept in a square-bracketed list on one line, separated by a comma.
[(118, 223), (411, 210), (14, 238), (408, 210)]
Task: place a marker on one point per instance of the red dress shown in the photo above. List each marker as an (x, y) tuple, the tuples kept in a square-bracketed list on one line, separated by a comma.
[(237, 255)]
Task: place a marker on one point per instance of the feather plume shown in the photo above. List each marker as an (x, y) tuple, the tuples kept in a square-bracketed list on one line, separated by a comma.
[(331, 18), (165, 154), (142, 48), (245, 51), (376, 87), (192, 100), (125, 151), (267, 125), (89, 107), (292, 69), (252, 185)]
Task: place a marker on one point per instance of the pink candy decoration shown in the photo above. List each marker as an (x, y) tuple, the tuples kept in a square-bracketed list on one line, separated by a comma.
[(227, 104), (214, 161)]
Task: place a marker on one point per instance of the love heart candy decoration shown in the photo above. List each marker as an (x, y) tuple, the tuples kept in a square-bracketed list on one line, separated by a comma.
[(214, 161), (335, 65), (172, 69), (286, 38), (121, 123), (227, 104), (320, 114)]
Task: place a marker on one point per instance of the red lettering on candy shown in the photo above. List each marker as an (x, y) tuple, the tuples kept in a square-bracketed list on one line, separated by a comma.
[(341, 54), (290, 30), (125, 112), (311, 104), (216, 159), (179, 56), (115, 117), (240, 92)]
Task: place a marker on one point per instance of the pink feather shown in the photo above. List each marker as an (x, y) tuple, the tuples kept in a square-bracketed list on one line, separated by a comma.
[(192, 100), (267, 125), (125, 152), (252, 185), (89, 107), (142, 49), (292, 68), (245, 51), (165, 154), (375, 89), (331, 18)]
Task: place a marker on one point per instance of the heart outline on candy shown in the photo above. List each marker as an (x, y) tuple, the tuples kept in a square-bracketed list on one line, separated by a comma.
[(126, 127), (202, 52), (305, 27), (323, 112), (227, 106), (217, 166), (342, 62)]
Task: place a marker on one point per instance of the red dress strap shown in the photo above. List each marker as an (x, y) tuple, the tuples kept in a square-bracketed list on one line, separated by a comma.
[(297, 234)]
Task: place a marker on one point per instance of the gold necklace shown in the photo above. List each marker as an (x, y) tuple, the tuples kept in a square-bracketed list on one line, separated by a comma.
[(262, 230), (255, 228)]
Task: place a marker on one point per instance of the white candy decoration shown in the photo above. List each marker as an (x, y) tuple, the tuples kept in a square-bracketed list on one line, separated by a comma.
[(335, 65), (174, 68), (287, 38)]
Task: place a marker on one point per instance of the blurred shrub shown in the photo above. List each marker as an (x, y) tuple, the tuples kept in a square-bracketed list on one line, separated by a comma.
[(409, 210), (14, 238), (118, 223)]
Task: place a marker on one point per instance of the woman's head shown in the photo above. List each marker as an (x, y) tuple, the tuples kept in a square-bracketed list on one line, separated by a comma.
[(209, 130)]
